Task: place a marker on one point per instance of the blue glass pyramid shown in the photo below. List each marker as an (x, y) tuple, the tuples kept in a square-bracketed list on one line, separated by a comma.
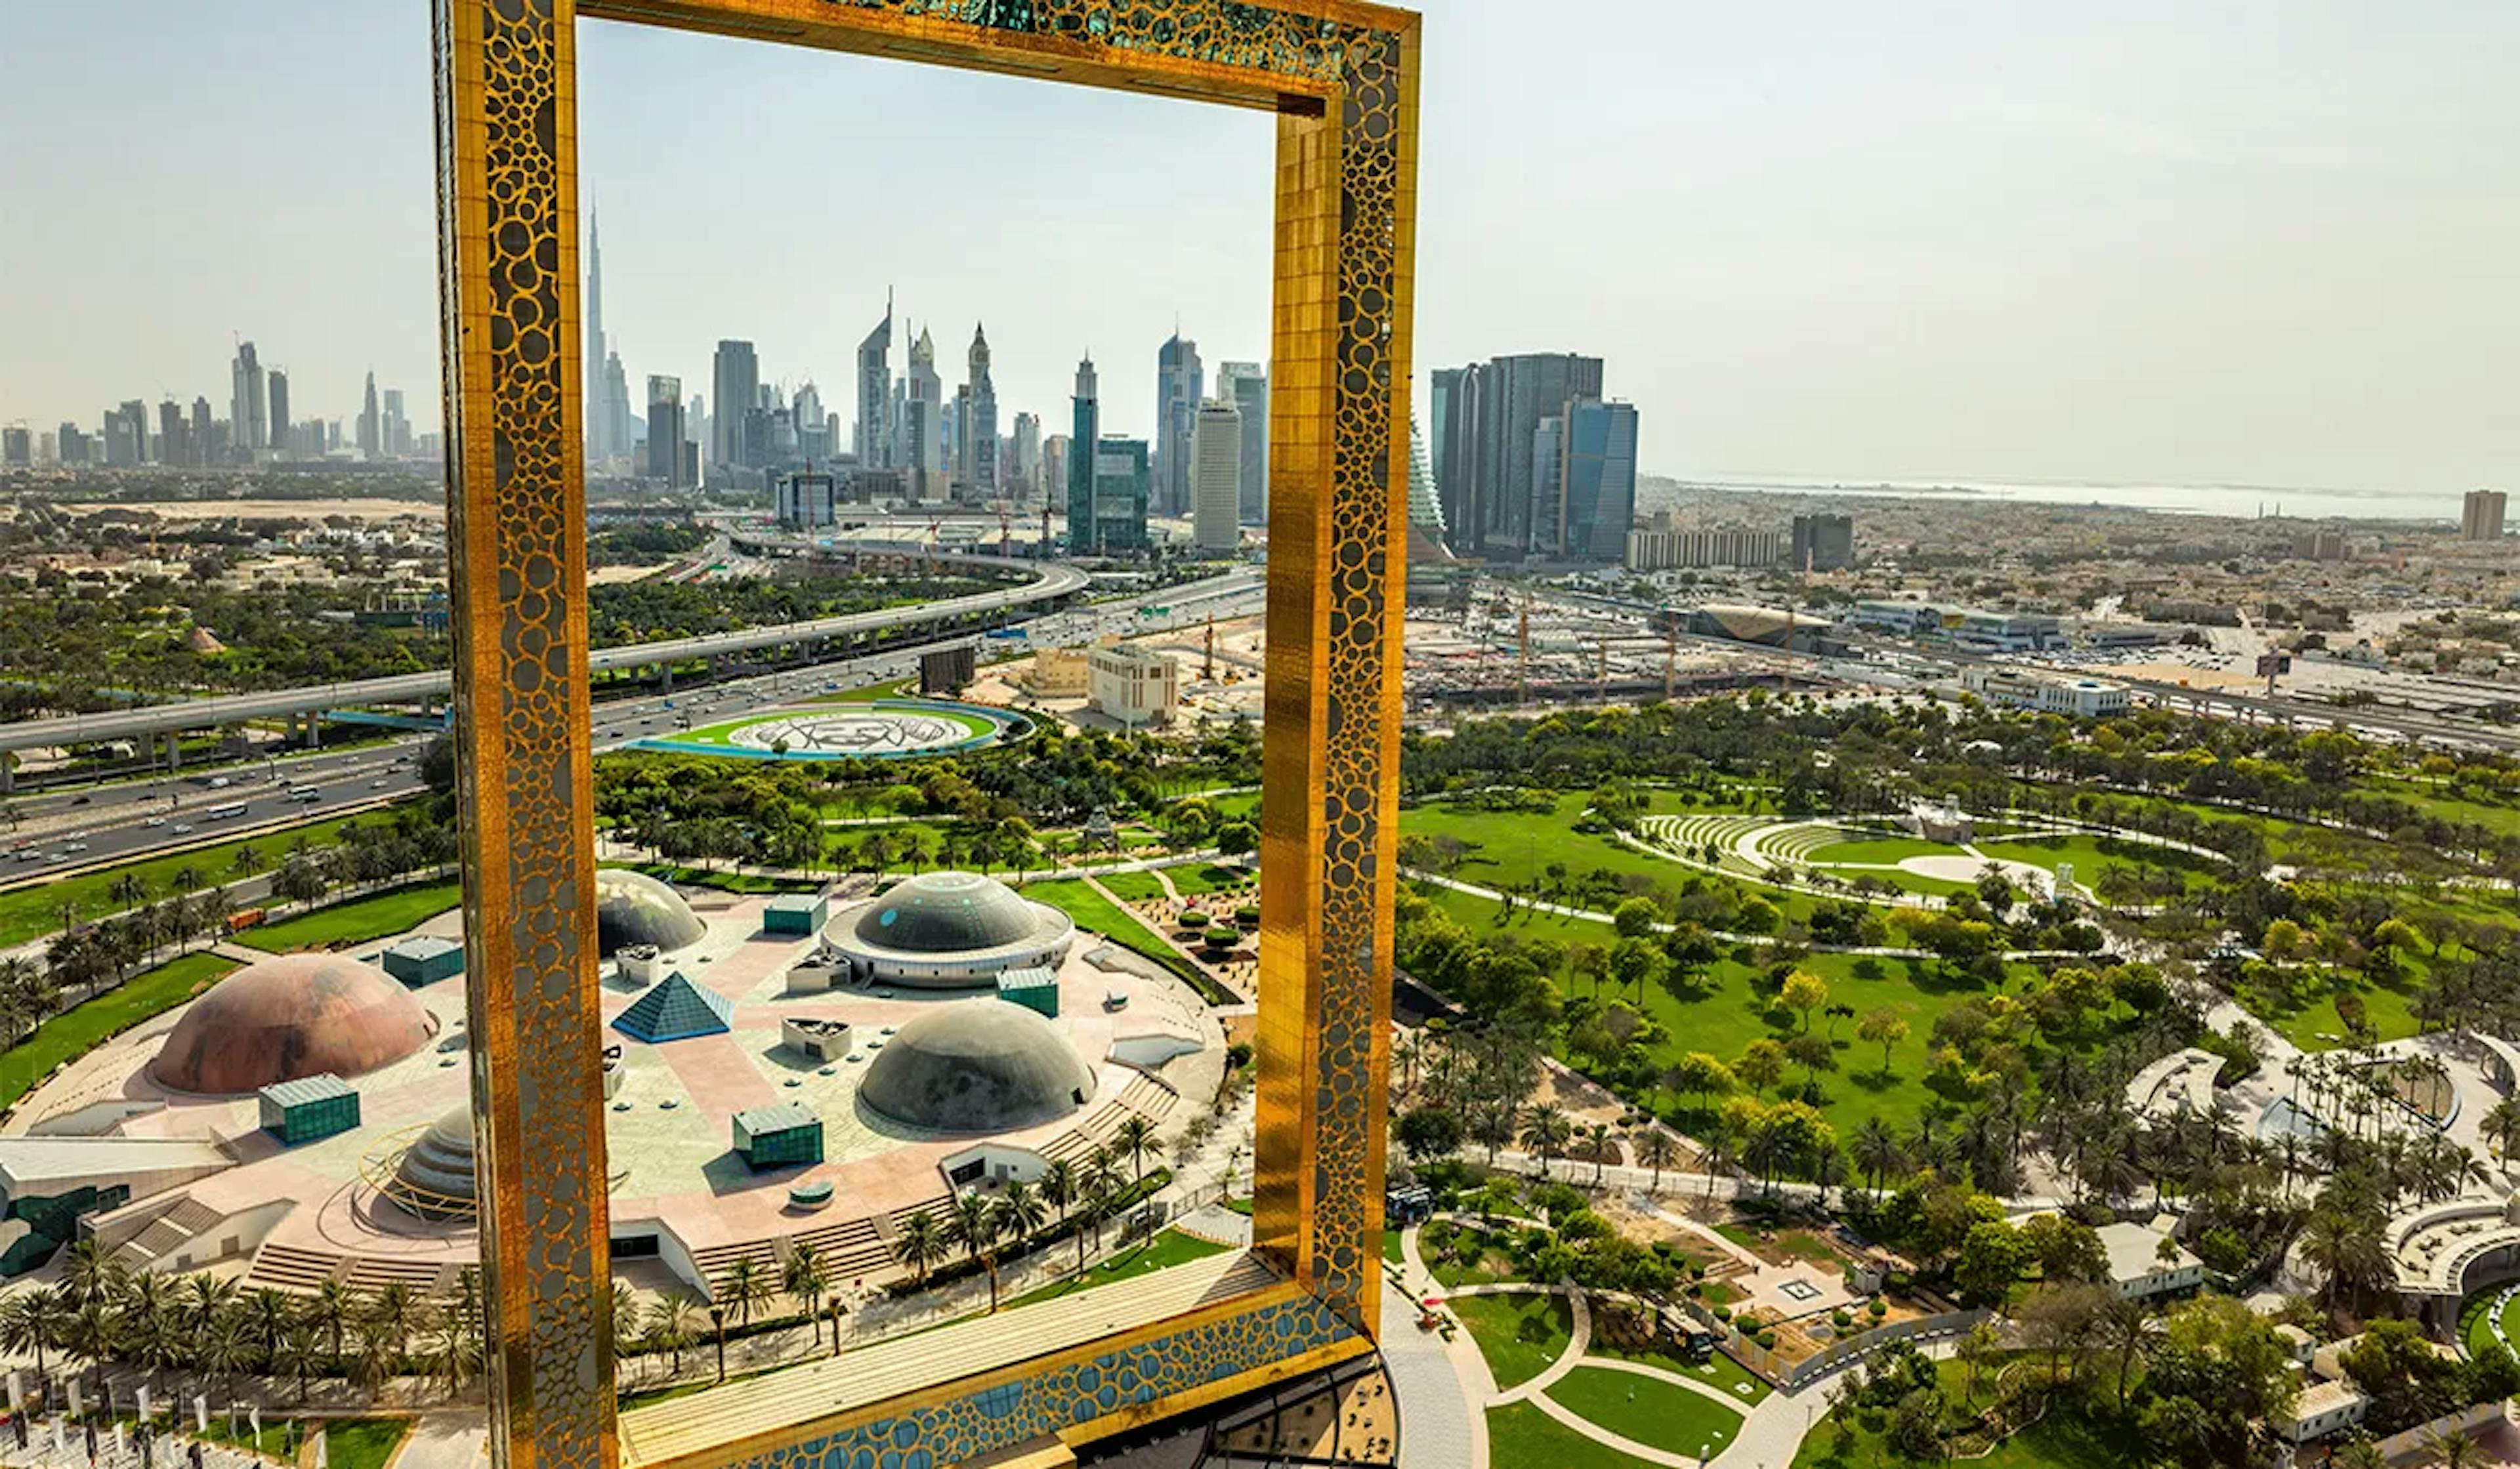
[(676, 1010)]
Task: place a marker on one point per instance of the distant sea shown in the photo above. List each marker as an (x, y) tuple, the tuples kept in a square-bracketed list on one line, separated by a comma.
[(2236, 500)]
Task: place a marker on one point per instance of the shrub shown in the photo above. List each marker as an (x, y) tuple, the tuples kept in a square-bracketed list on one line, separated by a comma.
[(1248, 916), (1192, 918), (1878, 1308), (1722, 1313), (1842, 1321), (1767, 1340)]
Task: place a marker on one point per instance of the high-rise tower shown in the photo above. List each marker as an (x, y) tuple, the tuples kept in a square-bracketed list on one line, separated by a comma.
[(1181, 386), (734, 387), (247, 412), (371, 439), (599, 421), (980, 430), (1216, 478), (276, 394), (874, 393), (923, 426), (1083, 437), (1246, 385)]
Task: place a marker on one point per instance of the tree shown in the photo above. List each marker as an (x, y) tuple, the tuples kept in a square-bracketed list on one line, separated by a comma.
[(920, 1244), (1699, 1075), (674, 1323), (1973, 1349), (1804, 992), (1061, 1183), (2066, 1250), (1876, 1152), (1546, 1131), (2348, 1246), (744, 1286), (1657, 1150), (974, 1226), (1761, 1066), (1989, 1265), (1885, 1029), (1430, 1133), (1634, 919), (1133, 1136), (806, 1277)]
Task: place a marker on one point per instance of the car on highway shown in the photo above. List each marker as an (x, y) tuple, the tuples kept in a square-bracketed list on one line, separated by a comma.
[(181, 829), (30, 854), (376, 785), (69, 848), (154, 821)]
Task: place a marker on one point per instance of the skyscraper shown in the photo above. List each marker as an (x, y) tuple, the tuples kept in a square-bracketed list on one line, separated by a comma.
[(922, 424), (126, 434), (17, 447), (1486, 416), (1181, 386), (248, 414), (2481, 517), (1597, 481), (372, 441), (1024, 475), (1120, 489), (665, 430), (1822, 543), (1086, 432), (979, 425), (199, 446), (1247, 384), (395, 433), (276, 392), (599, 444), (609, 437), (874, 438), (1216, 478), (735, 387)]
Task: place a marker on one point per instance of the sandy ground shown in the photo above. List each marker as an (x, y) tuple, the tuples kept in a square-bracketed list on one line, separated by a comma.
[(274, 509)]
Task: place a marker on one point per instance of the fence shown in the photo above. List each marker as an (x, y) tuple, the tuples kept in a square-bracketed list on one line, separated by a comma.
[(1837, 1354)]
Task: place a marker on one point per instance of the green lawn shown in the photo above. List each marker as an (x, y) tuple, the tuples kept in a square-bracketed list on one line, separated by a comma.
[(2475, 1320), (1135, 887), (357, 921), (1198, 879), (1879, 851), (31, 912), (348, 1442), (1716, 1371), (1520, 1435), (1164, 1251), (2384, 1009), (1644, 1410), (74, 1032), (1519, 1335), (2502, 819), (1391, 1251), (1494, 1265), (2063, 1439), (1511, 848), (1097, 913), (722, 734), (1724, 1015)]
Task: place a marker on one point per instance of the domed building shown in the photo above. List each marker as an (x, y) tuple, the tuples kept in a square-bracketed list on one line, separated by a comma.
[(287, 1017), (977, 1066), (436, 1179), (948, 930), (633, 908)]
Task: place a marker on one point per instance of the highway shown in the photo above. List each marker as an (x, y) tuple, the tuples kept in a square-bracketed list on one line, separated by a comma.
[(1050, 582), (117, 822)]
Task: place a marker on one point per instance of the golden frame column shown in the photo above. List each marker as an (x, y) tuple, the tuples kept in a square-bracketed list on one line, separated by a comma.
[(516, 566)]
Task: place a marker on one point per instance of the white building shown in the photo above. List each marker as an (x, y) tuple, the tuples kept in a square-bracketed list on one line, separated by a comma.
[(1133, 685), (2009, 632), (1216, 478), (2140, 1268), (2048, 693)]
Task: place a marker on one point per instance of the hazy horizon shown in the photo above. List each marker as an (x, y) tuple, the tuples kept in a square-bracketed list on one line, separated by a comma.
[(1957, 244)]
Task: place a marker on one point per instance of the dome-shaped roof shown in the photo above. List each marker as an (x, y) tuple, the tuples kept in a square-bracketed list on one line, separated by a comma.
[(289, 1016), (947, 912), (633, 908), (436, 1178), (977, 1066)]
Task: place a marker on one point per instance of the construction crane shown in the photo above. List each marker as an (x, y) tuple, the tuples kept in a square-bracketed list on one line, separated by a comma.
[(1208, 674)]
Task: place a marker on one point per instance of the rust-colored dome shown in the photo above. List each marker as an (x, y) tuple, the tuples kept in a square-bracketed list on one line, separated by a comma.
[(291, 1016)]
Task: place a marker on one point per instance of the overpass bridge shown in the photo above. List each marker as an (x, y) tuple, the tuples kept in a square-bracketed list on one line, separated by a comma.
[(1044, 583)]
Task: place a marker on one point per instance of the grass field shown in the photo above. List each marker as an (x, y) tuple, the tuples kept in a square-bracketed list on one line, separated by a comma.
[(1198, 879), (1519, 1335), (1519, 1433), (2317, 1025), (1716, 1371), (1648, 1411), (1133, 887), (2061, 1440), (1097, 913), (2476, 1320), (1164, 1251), (1512, 848), (75, 1030), (1879, 851), (2502, 819), (723, 734), (1726, 1015), (31, 912), (356, 921)]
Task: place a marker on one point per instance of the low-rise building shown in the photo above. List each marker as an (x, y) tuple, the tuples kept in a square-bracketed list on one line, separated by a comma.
[(2048, 693), (2005, 631), (1134, 686), (425, 961), (1058, 673), (2144, 1263), (1899, 619), (2323, 1408)]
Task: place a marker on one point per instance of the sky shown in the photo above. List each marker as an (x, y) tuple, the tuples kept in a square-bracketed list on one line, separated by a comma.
[(2265, 242)]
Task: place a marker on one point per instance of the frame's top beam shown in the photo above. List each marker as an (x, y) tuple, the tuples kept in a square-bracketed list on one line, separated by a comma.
[(1278, 55)]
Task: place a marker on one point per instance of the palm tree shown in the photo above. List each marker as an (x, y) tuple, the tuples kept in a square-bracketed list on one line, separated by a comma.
[(1599, 1136), (674, 1323), (1657, 1150), (90, 1277), (2455, 1451), (744, 1285), (920, 1244), (2349, 1248), (1021, 1211), (1101, 1181), (26, 1322), (1545, 1131), (1876, 1151), (2362, 1451), (976, 1227), (625, 1322), (1133, 1136), (2503, 1125), (806, 1277), (267, 1315), (332, 1307), (224, 1350), (299, 1350), (1060, 1186), (396, 1314)]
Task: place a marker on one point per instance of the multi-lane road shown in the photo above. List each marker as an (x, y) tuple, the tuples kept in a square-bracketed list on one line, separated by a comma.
[(76, 829)]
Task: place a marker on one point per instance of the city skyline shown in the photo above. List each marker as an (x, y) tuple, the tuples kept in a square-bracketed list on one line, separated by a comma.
[(2033, 250)]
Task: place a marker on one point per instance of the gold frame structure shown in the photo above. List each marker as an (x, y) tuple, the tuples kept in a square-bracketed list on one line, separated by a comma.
[(1341, 79)]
